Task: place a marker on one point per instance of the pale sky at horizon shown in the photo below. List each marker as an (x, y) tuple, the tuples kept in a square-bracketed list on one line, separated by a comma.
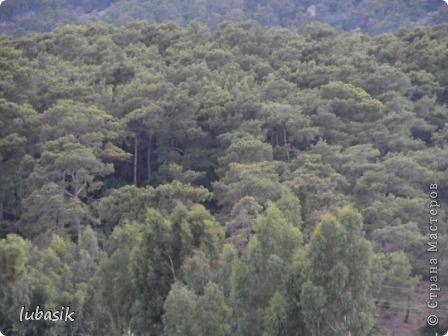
[(446, 1)]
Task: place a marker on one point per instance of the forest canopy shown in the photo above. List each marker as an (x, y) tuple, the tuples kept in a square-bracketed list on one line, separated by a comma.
[(169, 179)]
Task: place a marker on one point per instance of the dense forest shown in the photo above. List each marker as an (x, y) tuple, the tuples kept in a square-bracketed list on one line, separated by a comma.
[(373, 16), (163, 179)]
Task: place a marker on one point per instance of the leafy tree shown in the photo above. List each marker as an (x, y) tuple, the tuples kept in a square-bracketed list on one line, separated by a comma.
[(18, 139), (15, 287), (268, 255), (153, 272), (115, 290), (256, 180), (74, 169), (242, 218), (247, 150), (180, 311), (335, 287), (155, 261), (190, 314)]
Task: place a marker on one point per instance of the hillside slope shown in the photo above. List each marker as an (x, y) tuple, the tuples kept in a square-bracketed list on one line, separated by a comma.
[(18, 17), (168, 178)]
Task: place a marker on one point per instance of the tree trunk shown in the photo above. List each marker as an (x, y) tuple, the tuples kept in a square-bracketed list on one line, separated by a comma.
[(285, 143), (136, 160), (148, 159), (2, 197), (406, 318), (78, 229)]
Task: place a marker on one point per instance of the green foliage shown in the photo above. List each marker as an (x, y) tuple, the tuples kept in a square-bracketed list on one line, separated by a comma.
[(13, 257), (397, 284), (55, 276)]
